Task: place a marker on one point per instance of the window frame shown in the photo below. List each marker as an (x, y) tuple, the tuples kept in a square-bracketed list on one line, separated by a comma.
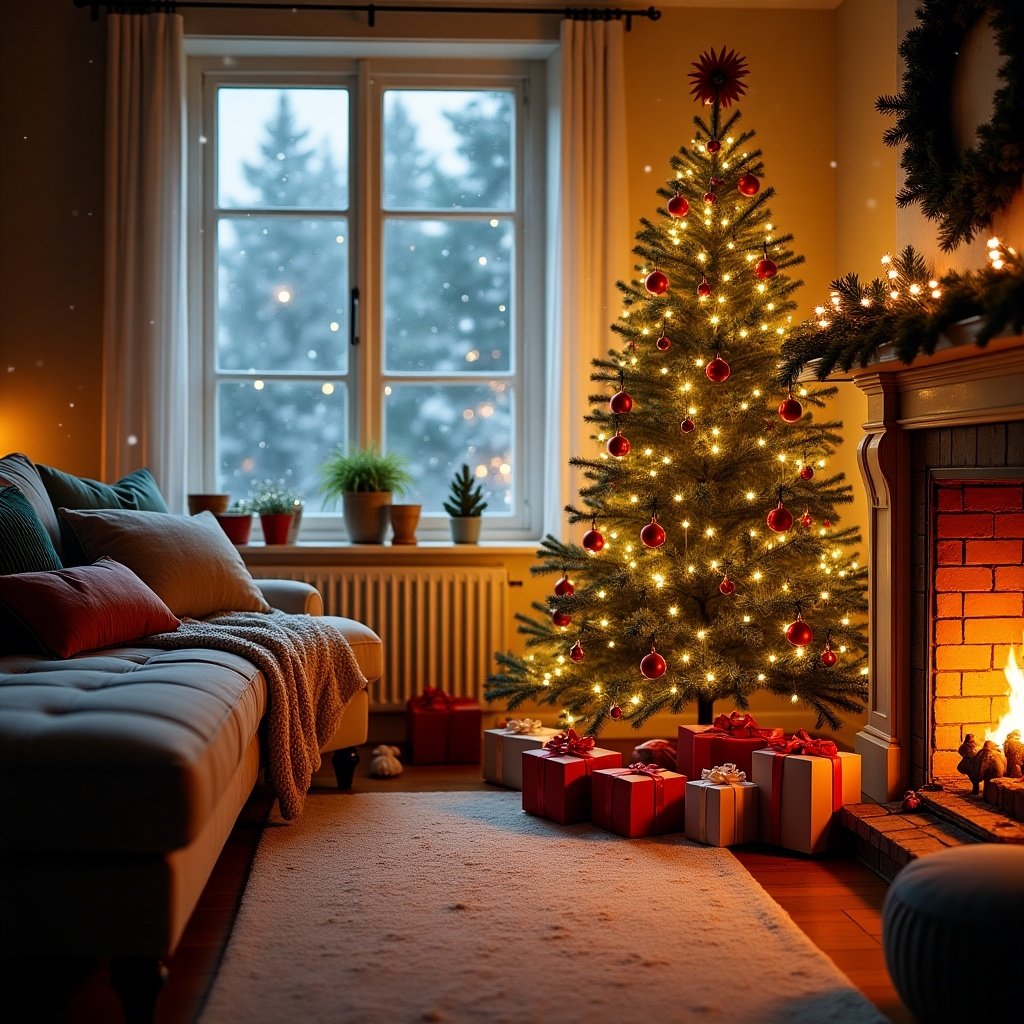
[(367, 80)]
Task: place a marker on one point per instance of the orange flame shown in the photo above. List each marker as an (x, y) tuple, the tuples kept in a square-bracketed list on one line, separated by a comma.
[(1014, 718)]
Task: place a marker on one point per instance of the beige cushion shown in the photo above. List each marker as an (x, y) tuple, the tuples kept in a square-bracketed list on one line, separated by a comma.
[(187, 560)]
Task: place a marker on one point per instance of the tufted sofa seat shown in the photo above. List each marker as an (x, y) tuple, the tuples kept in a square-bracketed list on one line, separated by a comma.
[(122, 773)]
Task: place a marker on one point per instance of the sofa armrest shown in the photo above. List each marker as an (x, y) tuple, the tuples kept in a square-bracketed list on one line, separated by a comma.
[(292, 596)]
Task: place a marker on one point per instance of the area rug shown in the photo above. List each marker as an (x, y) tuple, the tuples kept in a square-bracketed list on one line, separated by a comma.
[(458, 908)]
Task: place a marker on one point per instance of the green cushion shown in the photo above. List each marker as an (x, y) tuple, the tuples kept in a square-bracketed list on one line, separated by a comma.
[(138, 491), (18, 470), (25, 546)]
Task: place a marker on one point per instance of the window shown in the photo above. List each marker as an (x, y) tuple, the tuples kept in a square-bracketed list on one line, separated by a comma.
[(368, 249)]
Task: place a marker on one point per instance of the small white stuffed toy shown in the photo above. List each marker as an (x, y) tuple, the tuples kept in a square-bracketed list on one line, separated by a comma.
[(384, 761)]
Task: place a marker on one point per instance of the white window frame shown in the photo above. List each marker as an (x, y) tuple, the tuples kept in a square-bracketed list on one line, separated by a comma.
[(367, 79)]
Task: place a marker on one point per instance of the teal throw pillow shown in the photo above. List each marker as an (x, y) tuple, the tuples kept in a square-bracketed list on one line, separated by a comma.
[(25, 546), (138, 491)]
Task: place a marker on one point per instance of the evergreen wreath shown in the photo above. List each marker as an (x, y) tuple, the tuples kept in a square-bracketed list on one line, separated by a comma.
[(960, 191)]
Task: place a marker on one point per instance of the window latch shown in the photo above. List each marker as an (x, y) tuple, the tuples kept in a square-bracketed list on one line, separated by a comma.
[(353, 317)]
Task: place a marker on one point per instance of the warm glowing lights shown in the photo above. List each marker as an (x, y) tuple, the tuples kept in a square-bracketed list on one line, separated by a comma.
[(596, 687), (701, 634)]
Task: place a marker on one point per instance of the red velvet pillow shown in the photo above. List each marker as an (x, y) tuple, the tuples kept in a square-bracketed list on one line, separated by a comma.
[(81, 609)]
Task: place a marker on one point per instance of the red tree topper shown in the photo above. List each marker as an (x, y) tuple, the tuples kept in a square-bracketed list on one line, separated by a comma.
[(717, 77)]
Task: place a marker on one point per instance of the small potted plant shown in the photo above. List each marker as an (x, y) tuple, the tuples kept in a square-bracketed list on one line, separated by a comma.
[(365, 480), (276, 508), (236, 521), (465, 504)]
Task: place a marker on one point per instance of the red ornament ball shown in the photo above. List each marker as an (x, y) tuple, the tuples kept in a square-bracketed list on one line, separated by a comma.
[(653, 535), (616, 712), (620, 403), (765, 269), (664, 343), (678, 206), (618, 446), (910, 802), (687, 426), (827, 523), (717, 370), (806, 520), (791, 410), (798, 633), (593, 540), (704, 289), (727, 587), (829, 657), (712, 145), (749, 184), (710, 198), (780, 519), (806, 472), (564, 587), (656, 282), (653, 665), (576, 652), (560, 618)]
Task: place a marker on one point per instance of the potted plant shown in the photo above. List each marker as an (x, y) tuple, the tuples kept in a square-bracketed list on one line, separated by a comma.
[(236, 522), (365, 480), (465, 504), (276, 508)]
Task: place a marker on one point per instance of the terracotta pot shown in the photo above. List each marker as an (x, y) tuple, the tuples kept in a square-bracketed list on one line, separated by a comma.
[(237, 525), (465, 529), (276, 526), (367, 515), (404, 520), (215, 503)]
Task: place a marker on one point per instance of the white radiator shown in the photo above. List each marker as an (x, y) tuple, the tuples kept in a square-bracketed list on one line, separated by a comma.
[(440, 626)]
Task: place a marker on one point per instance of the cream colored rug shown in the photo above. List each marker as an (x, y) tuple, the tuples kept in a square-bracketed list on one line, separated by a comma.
[(458, 908)]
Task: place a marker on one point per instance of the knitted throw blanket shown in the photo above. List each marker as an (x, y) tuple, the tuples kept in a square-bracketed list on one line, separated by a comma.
[(311, 674)]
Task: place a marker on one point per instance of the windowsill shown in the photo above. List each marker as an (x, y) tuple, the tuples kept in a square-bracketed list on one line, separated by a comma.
[(425, 552)]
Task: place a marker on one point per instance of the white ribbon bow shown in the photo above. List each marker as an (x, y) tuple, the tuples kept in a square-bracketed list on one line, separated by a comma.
[(723, 775), (523, 725)]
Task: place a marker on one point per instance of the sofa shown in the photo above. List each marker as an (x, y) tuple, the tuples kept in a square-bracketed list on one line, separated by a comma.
[(124, 768)]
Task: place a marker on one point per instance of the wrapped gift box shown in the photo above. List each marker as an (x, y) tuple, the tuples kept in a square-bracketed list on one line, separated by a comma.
[(659, 752), (637, 801), (732, 739), (442, 729), (721, 814), (503, 753), (799, 795), (557, 786)]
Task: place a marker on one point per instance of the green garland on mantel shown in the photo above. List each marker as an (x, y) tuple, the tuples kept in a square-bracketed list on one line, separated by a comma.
[(959, 190), (908, 311)]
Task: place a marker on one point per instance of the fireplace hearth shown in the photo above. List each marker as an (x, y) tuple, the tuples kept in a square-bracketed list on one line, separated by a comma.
[(943, 462)]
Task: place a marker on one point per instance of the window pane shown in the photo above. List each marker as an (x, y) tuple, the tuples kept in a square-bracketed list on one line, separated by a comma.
[(282, 300), (276, 430), (448, 149), (447, 288), (440, 426), (282, 148)]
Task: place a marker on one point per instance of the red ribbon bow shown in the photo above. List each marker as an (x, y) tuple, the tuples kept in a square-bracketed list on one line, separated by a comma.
[(433, 698), (639, 768), (802, 743), (737, 725), (569, 743)]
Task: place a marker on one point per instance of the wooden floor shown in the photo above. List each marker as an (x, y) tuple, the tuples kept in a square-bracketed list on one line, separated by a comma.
[(835, 900)]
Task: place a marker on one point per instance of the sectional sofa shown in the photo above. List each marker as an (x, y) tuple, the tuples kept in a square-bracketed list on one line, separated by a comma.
[(123, 769)]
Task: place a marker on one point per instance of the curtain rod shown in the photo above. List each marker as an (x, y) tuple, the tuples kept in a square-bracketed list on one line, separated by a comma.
[(371, 10)]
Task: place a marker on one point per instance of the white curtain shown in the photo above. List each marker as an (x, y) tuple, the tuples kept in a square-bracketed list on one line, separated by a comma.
[(594, 244), (145, 410)]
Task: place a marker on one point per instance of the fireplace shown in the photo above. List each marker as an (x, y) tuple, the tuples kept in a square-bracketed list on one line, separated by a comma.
[(942, 458)]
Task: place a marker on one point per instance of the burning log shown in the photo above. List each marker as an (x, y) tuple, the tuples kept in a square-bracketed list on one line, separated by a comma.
[(980, 763), (1013, 748)]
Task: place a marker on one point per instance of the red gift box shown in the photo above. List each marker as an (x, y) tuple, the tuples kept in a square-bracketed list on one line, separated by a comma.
[(641, 800), (443, 729), (731, 740), (556, 779)]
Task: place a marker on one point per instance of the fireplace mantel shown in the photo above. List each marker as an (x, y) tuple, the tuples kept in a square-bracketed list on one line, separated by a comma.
[(960, 384)]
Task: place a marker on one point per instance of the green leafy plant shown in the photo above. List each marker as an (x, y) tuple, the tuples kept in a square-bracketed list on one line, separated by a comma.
[(465, 496), (273, 499), (362, 469)]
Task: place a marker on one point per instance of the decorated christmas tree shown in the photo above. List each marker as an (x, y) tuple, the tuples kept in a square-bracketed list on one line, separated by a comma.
[(711, 561)]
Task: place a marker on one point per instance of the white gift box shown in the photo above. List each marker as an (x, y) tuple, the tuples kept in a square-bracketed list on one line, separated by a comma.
[(721, 815), (807, 797), (503, 754)]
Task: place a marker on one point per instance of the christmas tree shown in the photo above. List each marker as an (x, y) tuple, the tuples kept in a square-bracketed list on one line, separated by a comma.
[(711, 561)]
